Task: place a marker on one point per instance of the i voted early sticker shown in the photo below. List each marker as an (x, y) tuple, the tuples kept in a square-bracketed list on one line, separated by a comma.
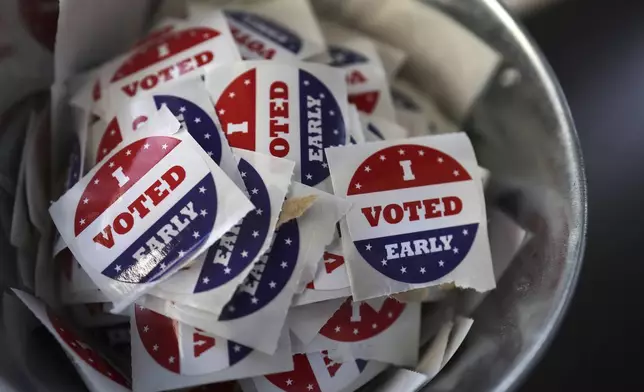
[(291, 111), (210, 282), (184, 48), (145, 209), (417, 216), (169, 354)]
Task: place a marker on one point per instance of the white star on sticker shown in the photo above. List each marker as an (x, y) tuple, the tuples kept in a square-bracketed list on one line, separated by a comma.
[(85, 200), (82, 222), (288, 241), (403, 269), (401, 152), (331, 113), (146, 328), (259, 211), (421, 153), (96, 181), (117, 268), (384, 262), (221, 112), (206, 136), (243, 174), (141, 307), (337, 329), (254, 300), (205, 280), (182, 109), (309, 387), (112, 132), (111, 164), (422, 270), (441, 263), (284, 264), (358, 186), (306, 82), (465, 232), (203, 212), (382, 158), (227, 271), (335, 132), (309, 177), (195, 234), (197, 120), (163, 266), (146, 146), (325, 165), (374, 325), (455, 250), (210, 153), (128, 152), (155, 347), (289, 382), (390, 315), (182, 253), (164, 146), (231, 308), (255, 234), (456, 173), (202, 189), (272, 284), (244, 254), (368, 247), (440, 160), (367, 169), (105, 151), (355, 331), (247, 82), (171, 359), (254, 191), (236, 348), (231, 95)]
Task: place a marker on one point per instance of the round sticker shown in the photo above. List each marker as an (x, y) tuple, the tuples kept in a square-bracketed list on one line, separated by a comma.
[(85, 352), (121, 212), (316, 372), (321, 122), (183, 349), (388, 237), (230, 256), (357, 321), (341, 57), (269, 276), (260, 37)]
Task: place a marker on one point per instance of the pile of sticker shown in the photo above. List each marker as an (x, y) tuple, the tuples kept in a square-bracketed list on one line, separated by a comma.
[(247, 193)]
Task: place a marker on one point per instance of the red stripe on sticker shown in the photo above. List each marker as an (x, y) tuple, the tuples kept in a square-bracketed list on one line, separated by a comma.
[(158, 334), (236, 108), (365, 102)]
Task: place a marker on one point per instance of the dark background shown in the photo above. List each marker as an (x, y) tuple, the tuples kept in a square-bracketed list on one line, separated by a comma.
[(596, 48)]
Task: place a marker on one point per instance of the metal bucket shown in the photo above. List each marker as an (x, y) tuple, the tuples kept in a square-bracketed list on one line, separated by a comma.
[(523, 133)]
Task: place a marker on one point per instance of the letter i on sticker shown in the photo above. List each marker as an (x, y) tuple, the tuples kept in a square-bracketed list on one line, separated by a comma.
[(411, 225)]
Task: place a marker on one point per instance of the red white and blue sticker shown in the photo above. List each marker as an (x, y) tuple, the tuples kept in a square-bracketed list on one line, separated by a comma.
[(167, 353), (314, 372), (186, 48), (267, 292), (210, 282), (382, 329), (96, 370), (285, 110), (365, 75), (188, 100), (147, 208), (417, 207)]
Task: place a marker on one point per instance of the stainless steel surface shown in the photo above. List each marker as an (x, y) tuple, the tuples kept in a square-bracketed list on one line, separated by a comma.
[(524, 134)]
